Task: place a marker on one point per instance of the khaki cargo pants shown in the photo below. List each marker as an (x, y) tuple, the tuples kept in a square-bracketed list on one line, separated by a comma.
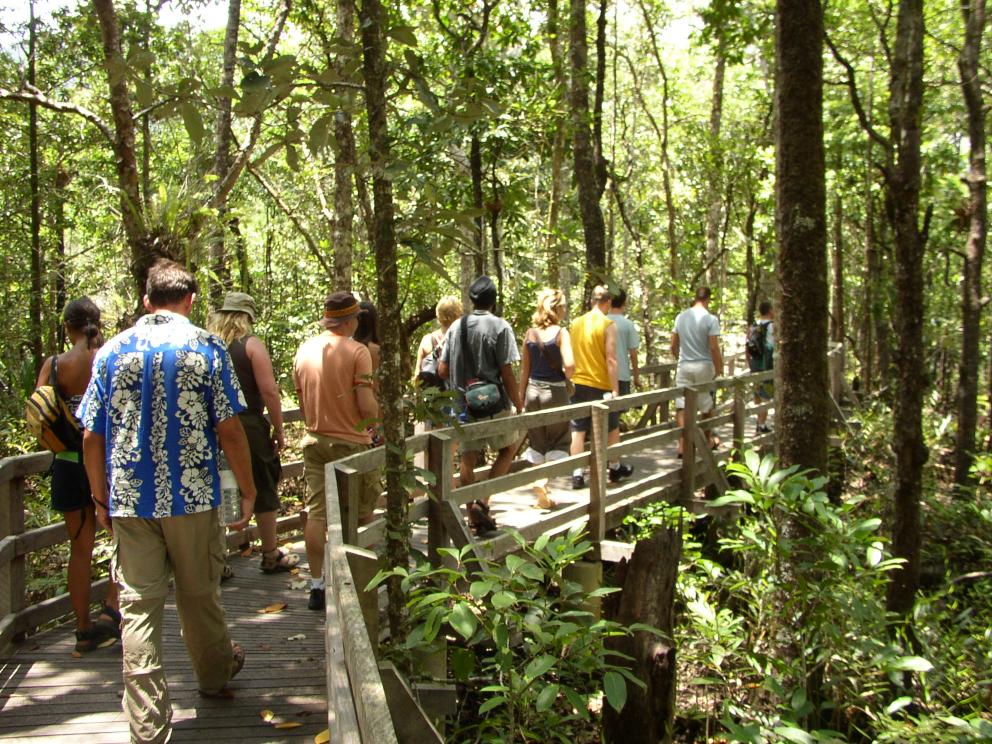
[(146, 552)]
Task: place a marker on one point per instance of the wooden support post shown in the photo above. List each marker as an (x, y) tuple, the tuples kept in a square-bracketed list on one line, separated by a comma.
[(440, 464), (739, 423), (349, 482), (364, 565), (598, 442), (688, 485), (589, 575), (12, 523), (717, 476), (665, 406), (412, 724)]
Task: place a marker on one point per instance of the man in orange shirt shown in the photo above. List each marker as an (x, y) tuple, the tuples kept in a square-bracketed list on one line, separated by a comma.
[(333, 377), (594, 345)]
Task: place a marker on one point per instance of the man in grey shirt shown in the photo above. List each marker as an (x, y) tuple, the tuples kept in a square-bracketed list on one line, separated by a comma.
[(627, 343), (696, 346), (494, 350)]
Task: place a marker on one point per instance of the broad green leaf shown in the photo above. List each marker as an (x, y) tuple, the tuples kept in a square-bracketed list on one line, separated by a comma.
[(404, 35), (462, 663), (493, 702), (546, 697), (192, 121), (480, 589), (793, 734), (539, 666), (615, 689), (910, 664), (463, 620), (898, 704), (502, 600), (541, 543), (874, 554)]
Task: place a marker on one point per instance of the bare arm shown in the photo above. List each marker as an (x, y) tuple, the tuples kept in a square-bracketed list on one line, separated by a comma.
[(717, 355), (232, 439), (426, 345), (368, 407), (45, 373), (674, 346), (261, 367), (524, 365), (567, 357), (95, 462), (611, 357), (510, 383), (634, 369)]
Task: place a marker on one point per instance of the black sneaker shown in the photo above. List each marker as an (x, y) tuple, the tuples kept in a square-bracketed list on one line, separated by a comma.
[(578, 482), (764, 430), (317, 601), (620, 472), (98, 635)]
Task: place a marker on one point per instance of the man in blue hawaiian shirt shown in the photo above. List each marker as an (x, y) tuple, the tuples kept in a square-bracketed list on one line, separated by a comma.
[(162, 397)]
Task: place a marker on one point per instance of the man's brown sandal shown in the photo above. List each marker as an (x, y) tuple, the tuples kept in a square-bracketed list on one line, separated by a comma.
[(277, 560)]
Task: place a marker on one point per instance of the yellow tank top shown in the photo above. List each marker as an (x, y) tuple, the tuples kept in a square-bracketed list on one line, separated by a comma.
[(589, 347)]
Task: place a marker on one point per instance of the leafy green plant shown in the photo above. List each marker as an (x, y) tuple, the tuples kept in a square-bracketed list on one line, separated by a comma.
[(528, 647)]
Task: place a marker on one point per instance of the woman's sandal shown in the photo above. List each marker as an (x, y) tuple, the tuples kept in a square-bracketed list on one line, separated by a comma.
[(238, 653), (479, 520), (277, 560), (227, 572), (113, 619)]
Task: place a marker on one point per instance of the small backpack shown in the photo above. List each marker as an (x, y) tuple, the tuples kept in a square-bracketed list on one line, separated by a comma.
[(49, 418), (428, 376), (757, 347)]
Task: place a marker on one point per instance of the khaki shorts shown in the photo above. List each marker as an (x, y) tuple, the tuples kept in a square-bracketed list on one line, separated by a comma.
[(497, 441), (688, 374), (319, 450)]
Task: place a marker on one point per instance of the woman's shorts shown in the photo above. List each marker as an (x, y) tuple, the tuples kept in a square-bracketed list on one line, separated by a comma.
[(70, 486)]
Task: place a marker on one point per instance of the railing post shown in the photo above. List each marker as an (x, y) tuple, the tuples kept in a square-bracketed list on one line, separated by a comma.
[(439, 462), (688, 485), (12, 523), (349, 487), (666, 382), (739, 408), (598, 442)]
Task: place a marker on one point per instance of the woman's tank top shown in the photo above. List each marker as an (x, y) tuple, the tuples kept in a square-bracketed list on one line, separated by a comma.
[(246, 375), (546, 364)]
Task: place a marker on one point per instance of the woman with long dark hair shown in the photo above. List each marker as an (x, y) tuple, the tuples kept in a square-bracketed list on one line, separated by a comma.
[(71, 495)]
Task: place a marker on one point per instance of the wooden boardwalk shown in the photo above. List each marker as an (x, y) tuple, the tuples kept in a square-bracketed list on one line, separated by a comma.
[(46, 694)]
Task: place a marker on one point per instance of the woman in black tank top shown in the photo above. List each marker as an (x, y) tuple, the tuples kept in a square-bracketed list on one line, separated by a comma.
[(546, 365), (233, 323)]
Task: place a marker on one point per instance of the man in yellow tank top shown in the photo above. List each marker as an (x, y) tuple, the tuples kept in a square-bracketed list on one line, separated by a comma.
[(594, 344)]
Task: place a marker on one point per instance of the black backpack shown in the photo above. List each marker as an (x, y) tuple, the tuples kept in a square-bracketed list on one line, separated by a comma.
[(758, 354), (428, 376)]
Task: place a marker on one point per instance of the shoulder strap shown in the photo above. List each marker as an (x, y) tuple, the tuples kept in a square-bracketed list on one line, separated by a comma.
[(54, 377), (467, 350)]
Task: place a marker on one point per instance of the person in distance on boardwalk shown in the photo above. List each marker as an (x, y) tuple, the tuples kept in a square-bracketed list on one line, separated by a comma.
[(481, 347), (71, 493), (594, 343), (627, 343), (760, 353), (233, 323), (333, 377), (546, 366), (162, 397), (696, 346)]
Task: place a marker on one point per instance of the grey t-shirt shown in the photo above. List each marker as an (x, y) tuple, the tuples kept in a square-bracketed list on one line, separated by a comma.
[(695, 326), (493, 345), (626, 341)]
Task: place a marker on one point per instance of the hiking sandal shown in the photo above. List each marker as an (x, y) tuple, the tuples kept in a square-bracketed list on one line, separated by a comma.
[(277, 560), (98, 635), (224, 693), (479, 520), (227, 572)]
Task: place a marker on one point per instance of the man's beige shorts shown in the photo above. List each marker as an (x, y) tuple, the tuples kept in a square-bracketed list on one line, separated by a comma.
[(688, 374), (318, 450)]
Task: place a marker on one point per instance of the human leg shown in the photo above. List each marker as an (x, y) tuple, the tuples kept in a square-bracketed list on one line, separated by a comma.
[(197, 556), (81, 525), (140, 566)]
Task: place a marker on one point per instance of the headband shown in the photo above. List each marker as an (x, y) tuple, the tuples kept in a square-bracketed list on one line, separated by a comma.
[(342, 311)]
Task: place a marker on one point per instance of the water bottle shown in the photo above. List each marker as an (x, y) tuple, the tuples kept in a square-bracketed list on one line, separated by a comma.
[(230, 496)]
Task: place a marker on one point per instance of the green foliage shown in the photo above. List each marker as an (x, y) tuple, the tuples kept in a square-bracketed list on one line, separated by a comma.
[(524, 640)]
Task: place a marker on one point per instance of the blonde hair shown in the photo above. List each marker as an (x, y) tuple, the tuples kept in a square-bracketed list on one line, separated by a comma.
[(229, 325), (600, 293), (448, 310), (550, 308)]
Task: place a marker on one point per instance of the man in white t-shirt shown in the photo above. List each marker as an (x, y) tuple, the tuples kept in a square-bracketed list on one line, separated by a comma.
[(696, 346)]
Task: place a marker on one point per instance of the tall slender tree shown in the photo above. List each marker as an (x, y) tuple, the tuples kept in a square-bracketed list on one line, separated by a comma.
[(33, 167)]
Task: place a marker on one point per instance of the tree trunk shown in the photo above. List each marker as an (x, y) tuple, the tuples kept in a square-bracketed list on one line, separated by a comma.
[(583, 147), (219, 263), (146, 118), (971, 289), (905, 104), (802, 401), (750, 267), (494, 208), (648, 597), (62, 179), (132, 213), (387, 285), (715, 210), (557, 263), (475, 163), (868, 355), (345, 161), (837, 325), (34, 306)]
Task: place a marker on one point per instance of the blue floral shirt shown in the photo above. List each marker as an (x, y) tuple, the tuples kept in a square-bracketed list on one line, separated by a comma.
[(157, 393)]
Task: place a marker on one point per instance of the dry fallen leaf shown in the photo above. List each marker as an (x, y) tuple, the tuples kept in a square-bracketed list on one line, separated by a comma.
[(323, 737), (297, 637), (276, 607), (288, 725), (77, 655), (298, 584), (294, 571), (267, 715), (264, 647)]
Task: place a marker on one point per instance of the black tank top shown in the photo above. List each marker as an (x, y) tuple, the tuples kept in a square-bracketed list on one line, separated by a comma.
[(545, 365), (246, 375)]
